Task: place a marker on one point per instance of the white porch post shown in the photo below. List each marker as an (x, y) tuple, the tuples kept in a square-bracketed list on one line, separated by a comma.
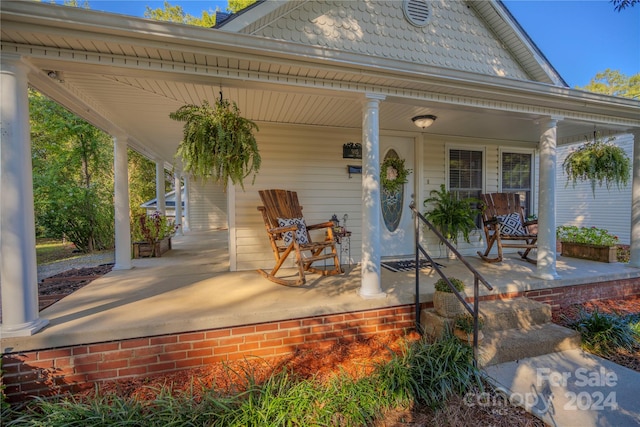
[(371, 281), (185, 223), (178, 210), (634, 257), (161, 204), (18, 266), (546, 268), (121, 202)]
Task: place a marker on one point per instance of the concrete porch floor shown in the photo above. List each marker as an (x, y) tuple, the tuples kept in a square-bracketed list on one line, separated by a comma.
[(191, 289)]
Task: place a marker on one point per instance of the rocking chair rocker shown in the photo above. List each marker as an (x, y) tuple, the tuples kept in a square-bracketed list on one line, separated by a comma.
[(288, 234), (504, 225)]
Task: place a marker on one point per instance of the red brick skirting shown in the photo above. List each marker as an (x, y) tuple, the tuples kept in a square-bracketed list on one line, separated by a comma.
[(68, 369)]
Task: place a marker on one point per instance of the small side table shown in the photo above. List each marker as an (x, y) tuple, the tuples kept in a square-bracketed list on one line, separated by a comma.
[(343, 240)]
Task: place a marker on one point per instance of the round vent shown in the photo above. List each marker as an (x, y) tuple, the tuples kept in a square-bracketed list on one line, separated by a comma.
[(417, 12)]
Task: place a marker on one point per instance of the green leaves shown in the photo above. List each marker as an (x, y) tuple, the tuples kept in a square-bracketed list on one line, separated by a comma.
[(217, 142), (450, 215), (598, 162)]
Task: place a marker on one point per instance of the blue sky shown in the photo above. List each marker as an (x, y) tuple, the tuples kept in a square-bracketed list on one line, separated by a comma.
[(579, 37)]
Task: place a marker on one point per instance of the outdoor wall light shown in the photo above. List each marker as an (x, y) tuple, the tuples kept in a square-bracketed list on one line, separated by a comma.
[(424, 121)]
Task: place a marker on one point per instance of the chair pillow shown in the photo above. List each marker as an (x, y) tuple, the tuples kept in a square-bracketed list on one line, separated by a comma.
[(301, 232), (511, 225)]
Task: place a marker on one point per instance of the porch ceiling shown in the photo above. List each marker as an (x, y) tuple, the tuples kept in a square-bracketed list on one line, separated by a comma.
[(125, 75)]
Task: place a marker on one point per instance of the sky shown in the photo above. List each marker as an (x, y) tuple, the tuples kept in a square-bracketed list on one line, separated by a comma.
[(579, 37)]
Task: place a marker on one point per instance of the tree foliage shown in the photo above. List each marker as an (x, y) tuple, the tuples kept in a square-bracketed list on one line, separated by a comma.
[(237, 5), (615, 83), (620, 5), (142, 181), (170, 13), (72, 176)]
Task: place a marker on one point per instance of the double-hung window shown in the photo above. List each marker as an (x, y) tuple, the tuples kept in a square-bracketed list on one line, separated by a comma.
[(516, 171), (466, 173)]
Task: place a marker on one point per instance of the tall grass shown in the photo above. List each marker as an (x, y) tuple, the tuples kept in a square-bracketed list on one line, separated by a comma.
[(423, 373)]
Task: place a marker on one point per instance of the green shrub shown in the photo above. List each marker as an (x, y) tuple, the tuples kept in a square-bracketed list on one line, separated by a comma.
[(442, 286), (603, 333)]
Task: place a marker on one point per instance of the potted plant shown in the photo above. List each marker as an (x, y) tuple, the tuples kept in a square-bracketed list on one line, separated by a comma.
[(151, 235), (463, 327), (445, 301), (393, 174), (217, 142), (599, 162), (450, 215), (592, 243)]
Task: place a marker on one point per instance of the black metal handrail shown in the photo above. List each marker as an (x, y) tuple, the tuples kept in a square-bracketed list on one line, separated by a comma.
[(477, 277)]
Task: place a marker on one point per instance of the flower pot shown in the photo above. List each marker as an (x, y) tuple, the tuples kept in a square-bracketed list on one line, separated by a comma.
[(591, 252), (146, 250), (467, 337), (447, 304)]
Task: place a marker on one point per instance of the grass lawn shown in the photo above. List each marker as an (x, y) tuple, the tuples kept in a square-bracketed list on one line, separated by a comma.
[(50, 250)]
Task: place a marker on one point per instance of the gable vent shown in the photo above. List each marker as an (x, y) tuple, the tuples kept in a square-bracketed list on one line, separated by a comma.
[(417, 12)]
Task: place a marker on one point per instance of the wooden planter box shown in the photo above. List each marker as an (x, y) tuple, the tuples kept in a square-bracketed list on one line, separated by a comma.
[(144, 249), (594, 253)]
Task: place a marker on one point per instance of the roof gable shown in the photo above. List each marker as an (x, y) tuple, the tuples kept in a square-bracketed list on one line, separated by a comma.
[(468, 36)]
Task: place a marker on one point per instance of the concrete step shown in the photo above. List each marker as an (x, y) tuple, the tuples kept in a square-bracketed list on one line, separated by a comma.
[(510, 345), (513, 313)]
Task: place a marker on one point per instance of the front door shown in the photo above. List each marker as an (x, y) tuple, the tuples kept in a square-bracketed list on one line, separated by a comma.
[(396, 223)]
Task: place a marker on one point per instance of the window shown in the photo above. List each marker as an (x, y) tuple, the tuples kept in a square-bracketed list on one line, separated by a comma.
[(516, 177), (465, 174)]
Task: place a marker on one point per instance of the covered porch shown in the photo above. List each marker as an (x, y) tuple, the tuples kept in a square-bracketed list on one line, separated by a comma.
[(190, 288)]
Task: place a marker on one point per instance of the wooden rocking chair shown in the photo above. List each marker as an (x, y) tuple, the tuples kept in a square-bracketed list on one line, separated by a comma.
[(288, 234), (504, 225)]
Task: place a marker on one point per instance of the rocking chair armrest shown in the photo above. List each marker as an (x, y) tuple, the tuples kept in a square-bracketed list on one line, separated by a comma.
[(532, 222), (322, 225), (491, 221), (283, 229)]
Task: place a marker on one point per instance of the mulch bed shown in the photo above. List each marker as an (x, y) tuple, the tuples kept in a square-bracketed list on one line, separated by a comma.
[(52, 289)]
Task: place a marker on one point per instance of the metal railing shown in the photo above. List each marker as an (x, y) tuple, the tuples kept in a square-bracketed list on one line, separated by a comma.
[(419, 220)]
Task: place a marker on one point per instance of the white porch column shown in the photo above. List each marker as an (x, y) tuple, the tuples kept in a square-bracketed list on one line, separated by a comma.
[(121, 204), (178, 193), (634, 258), (161, 204), (371, 281), (185, 223), (18, 266), (546, 268)]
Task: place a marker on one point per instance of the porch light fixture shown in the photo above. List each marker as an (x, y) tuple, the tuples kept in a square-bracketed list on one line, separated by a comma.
[(424, 121)]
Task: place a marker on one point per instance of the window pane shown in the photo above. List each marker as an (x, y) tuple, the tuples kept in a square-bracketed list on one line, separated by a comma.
[(465, 174), (516, 177)]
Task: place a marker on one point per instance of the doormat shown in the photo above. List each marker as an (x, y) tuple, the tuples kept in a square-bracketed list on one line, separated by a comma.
[(407, 265)]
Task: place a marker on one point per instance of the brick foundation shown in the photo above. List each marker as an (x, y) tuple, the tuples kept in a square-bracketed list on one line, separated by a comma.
[(68, 369)]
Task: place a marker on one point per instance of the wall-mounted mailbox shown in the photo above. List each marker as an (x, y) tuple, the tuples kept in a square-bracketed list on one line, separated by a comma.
[(352, 150), (354, 169)]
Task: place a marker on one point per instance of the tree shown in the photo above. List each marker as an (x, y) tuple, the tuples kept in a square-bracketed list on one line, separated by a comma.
[(237, 5), (142, 182), (176, 14), (613, 82), (72, 176), (619, 5)]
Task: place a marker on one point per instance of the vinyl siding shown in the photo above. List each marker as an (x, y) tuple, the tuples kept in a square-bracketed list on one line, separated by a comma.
[(610, 209), (207, 205)]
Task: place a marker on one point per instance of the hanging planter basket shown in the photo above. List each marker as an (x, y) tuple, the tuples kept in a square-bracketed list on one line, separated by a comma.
[(217, 142), (599, 162)]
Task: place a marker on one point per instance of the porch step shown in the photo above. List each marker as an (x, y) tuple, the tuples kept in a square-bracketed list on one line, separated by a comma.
[(513, 329), (511, 345), (513, 314)]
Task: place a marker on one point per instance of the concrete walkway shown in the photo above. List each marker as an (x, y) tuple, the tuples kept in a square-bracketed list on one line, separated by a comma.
[(569, 388)]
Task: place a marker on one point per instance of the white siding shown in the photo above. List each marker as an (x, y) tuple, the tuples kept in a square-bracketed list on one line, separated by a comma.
[(307, 160), (610, 209), (207, 205)]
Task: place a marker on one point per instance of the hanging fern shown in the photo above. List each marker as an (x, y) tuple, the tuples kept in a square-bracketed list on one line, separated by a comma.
[(217, 143), (598, 162)]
